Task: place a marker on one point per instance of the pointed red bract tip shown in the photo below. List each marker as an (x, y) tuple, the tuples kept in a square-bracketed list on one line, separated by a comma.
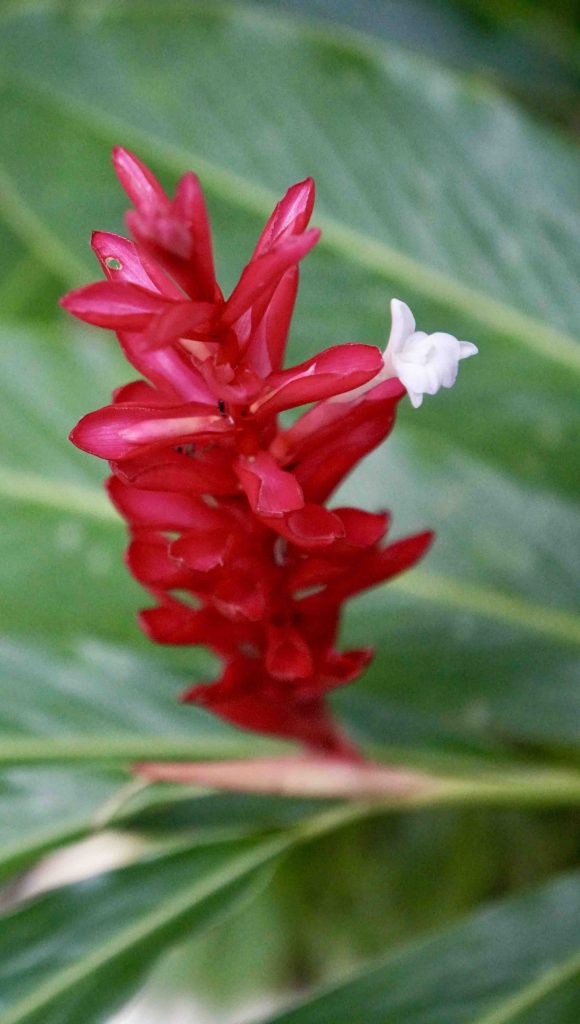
[(138, 181), (289, 217)]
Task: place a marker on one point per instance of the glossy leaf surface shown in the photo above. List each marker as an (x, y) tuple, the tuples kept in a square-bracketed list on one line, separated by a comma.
[(431, 188), (105, 932), (516, 962)]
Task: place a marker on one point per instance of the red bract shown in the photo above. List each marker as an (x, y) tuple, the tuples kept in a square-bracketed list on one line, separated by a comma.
[(226, 511)]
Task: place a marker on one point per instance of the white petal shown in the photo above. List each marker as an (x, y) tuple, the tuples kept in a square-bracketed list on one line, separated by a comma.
[(402, 325), (416, 398), (448, 375), (467, 349)]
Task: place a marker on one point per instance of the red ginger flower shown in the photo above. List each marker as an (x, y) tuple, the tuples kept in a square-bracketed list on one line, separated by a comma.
[(221, 503)]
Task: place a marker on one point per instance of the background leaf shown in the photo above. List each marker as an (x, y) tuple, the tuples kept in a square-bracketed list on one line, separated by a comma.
[(431, 187), (527, 47), (518, 961), (43, 809), (92, 943)]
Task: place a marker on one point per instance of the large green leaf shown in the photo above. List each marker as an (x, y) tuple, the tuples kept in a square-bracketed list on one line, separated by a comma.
[(528, 48), (431, 188), (44, 808), (516, 963), (103, 702), (90, 944)]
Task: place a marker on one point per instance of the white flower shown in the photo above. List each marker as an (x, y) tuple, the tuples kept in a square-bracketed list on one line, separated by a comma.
[(422, 362)]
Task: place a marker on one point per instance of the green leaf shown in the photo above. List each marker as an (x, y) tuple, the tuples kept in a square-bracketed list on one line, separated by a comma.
[(431, 188), (90, 945), (100, 694), (28, 290), (516, 963), (42, 809), (527, 48)]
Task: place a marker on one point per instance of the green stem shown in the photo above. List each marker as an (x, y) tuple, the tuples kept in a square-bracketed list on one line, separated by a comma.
[(533, 789), (476, 786)]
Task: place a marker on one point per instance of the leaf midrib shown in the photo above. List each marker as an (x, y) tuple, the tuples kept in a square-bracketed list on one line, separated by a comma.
[(439, 782), (173, 909), (507, 1012), (383, 260), (532, 994)]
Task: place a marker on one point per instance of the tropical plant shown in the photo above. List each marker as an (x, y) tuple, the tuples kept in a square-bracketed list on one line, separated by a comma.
[(433, 187)]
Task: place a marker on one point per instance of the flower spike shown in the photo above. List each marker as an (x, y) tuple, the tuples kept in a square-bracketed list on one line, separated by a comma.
[(229, 529)]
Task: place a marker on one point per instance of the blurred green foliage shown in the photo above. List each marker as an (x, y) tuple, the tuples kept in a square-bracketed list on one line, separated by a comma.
[(432, 186), (530, 49)]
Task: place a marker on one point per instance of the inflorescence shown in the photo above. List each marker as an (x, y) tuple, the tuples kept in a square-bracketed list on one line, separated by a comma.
[(227, 510)]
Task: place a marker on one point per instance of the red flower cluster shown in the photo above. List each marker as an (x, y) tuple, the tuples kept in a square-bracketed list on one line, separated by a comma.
[(226, 510)]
